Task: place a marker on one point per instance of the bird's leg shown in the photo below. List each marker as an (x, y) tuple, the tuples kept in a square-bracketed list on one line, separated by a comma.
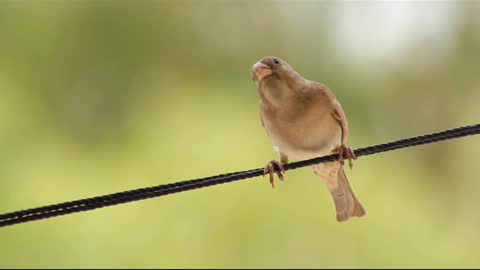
[(345, 150), (276, 167)]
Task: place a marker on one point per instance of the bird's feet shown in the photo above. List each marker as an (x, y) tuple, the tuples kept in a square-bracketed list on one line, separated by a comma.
[(274, 167), (346, 151)]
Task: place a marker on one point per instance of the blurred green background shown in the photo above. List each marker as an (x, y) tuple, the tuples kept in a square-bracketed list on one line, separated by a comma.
[(99, 97)]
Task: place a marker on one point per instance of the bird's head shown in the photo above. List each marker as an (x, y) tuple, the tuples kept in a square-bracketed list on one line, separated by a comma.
[(276, 80), (272, 69)]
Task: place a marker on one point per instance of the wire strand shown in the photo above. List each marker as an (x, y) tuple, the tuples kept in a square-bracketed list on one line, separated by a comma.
[(83, 205)]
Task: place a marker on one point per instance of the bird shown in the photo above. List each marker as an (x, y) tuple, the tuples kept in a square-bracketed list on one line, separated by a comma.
[(304, 120)]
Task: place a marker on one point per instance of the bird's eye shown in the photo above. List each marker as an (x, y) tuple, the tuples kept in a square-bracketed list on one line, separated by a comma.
[(276, 61)]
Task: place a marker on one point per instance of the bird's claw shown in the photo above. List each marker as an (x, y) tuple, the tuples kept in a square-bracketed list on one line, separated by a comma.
[(272, 168), (345, 151)]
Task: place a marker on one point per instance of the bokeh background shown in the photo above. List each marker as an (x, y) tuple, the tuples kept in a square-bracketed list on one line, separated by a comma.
[(99, 97)]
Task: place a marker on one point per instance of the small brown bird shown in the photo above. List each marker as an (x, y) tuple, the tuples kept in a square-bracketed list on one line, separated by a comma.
[(304, 120)]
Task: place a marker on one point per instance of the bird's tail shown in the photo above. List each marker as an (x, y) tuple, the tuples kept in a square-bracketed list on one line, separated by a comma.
[(346, 203)]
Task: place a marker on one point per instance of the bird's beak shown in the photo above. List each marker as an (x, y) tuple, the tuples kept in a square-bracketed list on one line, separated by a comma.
[(260, 71)]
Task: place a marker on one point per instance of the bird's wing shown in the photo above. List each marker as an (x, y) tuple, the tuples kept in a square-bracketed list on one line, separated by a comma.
[(337, 111)]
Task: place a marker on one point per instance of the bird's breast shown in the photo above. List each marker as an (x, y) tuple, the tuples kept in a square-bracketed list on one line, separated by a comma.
[(303, 135)]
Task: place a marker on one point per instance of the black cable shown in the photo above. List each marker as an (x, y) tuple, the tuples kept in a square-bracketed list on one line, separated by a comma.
[(61, 209)]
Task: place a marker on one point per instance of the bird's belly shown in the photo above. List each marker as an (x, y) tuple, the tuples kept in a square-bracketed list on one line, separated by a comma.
[(301, 140)]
